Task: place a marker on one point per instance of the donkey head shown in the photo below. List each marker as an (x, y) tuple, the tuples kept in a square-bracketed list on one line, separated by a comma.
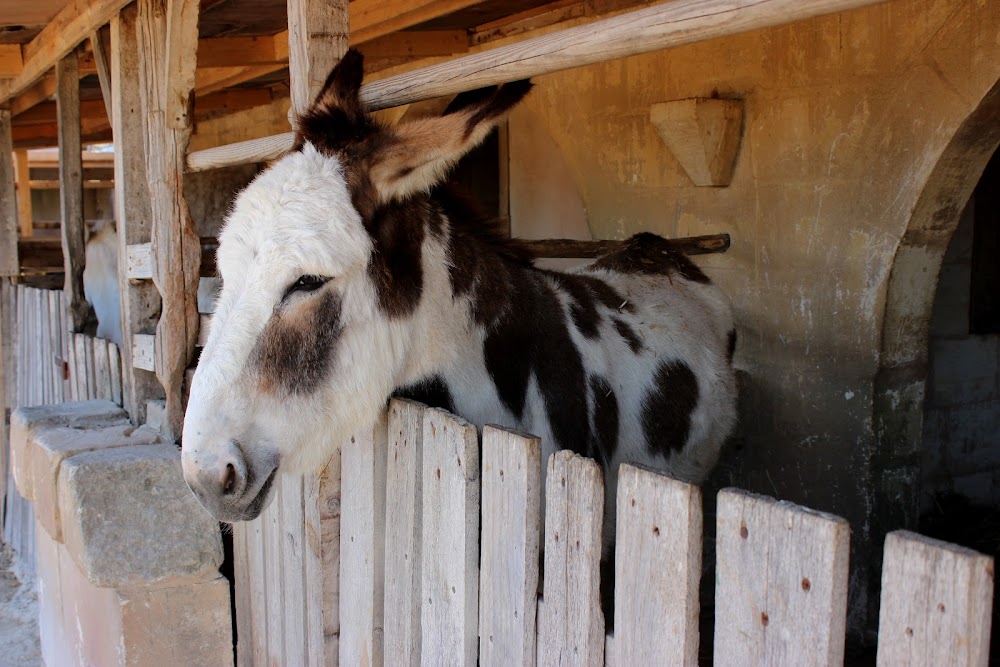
[(320, 259)]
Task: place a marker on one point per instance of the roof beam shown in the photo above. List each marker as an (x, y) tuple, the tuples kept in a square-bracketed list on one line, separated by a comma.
[(11, 62), (72, 25)]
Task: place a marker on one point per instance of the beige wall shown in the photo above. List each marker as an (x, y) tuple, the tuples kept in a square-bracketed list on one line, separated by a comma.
[(846, 118)]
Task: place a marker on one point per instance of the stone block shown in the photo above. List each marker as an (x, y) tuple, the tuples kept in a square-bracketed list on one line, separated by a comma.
[(129, 519), (180, 625), (51, 446), (25, 422)]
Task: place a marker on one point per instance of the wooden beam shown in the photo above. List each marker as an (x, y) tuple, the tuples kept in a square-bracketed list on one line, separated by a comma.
[(11, 63), (317, 38), (71, 189), (36, 94), (22, 173), (176, 244), (140, 301), (243, 51), (231, 100), (8, 205), (654, 28), (693, 245), (182, 47), (658, 27), (375, 18), (100, 44), (89, 184), (45, 112), (73, 24)]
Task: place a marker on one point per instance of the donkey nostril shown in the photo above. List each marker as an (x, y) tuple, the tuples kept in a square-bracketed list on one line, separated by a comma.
[(229, 479)]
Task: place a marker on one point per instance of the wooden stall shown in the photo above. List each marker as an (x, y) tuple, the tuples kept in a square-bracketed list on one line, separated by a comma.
[(401, 566)]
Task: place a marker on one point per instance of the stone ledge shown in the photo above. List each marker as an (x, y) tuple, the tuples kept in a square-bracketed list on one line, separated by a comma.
[(26, 422), (129, 519), (51, 446)]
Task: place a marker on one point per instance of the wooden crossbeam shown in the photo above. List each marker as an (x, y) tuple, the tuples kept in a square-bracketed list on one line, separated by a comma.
[(73, 24), (22, 171)]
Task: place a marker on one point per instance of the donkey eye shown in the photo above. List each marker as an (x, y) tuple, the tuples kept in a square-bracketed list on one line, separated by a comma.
[(306, 284)]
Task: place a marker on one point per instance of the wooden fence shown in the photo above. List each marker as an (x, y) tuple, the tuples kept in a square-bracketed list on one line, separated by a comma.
[(437, 552), (52, 365)]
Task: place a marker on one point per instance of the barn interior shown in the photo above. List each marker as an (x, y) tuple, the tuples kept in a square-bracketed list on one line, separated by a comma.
[(858, 193)]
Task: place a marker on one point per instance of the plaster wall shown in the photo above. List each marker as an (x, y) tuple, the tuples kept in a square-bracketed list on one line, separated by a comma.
[(846, 118)]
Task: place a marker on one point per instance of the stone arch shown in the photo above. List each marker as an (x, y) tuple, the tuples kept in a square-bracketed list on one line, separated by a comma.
[(901, 380)]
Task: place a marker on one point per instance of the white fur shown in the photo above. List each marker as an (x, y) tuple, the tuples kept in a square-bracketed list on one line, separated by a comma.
[(100, 280)]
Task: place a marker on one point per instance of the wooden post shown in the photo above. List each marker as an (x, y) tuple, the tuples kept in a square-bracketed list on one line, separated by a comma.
[(166, 61), (23, 172), (100, 44), (317, 38), (8, 206), (140, 301), (71, 187)]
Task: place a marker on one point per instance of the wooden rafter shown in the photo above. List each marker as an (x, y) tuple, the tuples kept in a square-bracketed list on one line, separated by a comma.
[(72, 25), (11, 63)]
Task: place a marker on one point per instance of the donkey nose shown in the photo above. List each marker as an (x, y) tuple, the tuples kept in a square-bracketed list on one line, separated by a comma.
[(226, 476)]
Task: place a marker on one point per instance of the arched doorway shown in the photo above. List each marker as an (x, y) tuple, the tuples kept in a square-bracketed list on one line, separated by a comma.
[(901, 384)]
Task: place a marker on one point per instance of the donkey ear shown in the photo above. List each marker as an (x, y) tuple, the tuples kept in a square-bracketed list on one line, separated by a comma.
[(344, 81), (337, 112), (425, 149)]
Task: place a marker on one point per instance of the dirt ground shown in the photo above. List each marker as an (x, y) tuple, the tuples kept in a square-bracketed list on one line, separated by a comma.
[(18, 616)]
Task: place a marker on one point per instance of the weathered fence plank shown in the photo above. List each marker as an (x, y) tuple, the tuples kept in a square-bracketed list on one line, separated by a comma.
[(570, 622), (292, 524), (781, 583), (362, 541), (450, 580), (55, 345), (115, 364), (403, 516), (329, 493), (102, 370), (508, 574), (274, 558), (242, 585), (936, 604), (657, 569), (257, 561)]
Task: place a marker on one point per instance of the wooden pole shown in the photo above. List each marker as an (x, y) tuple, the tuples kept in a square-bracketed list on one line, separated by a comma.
[(660, 27), (317, 39), (23, 185), (167, 60), (71, 188), (8, 205), (140, 300)]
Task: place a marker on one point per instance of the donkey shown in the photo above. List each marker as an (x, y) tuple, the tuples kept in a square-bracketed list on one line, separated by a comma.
[(350, 275)]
